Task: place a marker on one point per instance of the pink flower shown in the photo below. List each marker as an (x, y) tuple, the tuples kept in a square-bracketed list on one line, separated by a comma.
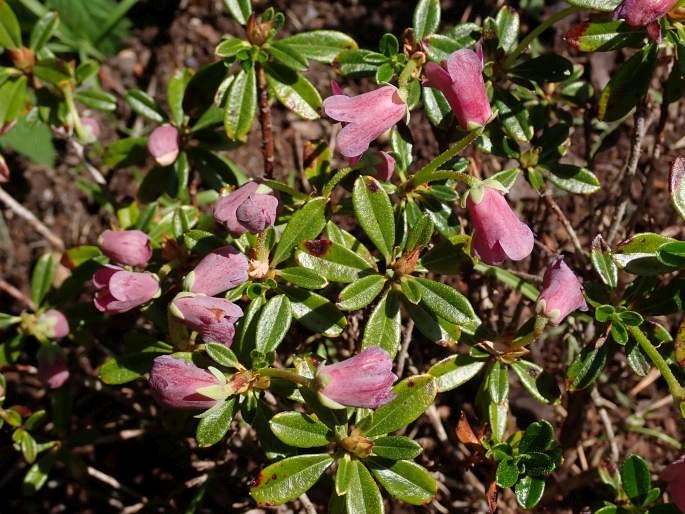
[(120, 291), (364, 117), (92, 127), (562, 292), (383, 163), (674, 474), (461, 81), (499, 234), (128, 247), (364, 380), (52, 366), (163, 144), (175, 383), (53, 324), (4, 171), (218, 271), (212, 317), (246, 210), (645, 13)]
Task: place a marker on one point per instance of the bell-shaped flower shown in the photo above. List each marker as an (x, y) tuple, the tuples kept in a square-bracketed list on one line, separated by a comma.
[(53, 324), (175, 383), (498, 234), (218, 271), (91, 128), (127, 247), (250, 208), (364, 380), (645, 13), (213, 318), (562, 292), (674, 474), (364, 117), (52, 366), (163, 144), (120, 291), (460, 79)]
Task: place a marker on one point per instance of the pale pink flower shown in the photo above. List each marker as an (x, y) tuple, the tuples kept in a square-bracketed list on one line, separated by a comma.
[(128, 247), (218, 271), (175, 383), (120, 291), (246, 210), (562, 292), (163, 144), (213, 318)]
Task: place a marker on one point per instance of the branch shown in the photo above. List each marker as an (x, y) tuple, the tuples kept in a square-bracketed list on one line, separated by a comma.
[(28, 216), (552, 204), (265, 121)]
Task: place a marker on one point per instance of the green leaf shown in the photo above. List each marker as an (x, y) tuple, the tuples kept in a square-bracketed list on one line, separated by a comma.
[(145, 105), (586, 367), (433, 327), (638, 254), (222, 354), (302, 277), (294, 91), (343, 475), (241, 105), (541, 385), (636, 479), (574, 179), (374, 214), (672, 254), (126, 368), (396, 447), (676, 185), (603, 262), (306, 223), (360, 293), (344, 238), (545, 68), (413, 396), (537, 437), (447, 303), (287, 56), (176, 89), (605, 36), (97, 99), (316, 313), (332, 261), (454, 371), (507, 23), (12, 99), (514, 117), (628, 85), (320, 45), (213, 427), (401, 144), (37, 474), (363, 496), (507, 473), (597, 5), (10, 32), (42, 277), (239, 9), (636, 358), (437, 108), (497, 416), (42, 31), (299, 430), (384, 325), (273, 323), (230, 46), (426, 18), (405, 480), (529, 491), (359, 63), (286, 480), (498, 382)]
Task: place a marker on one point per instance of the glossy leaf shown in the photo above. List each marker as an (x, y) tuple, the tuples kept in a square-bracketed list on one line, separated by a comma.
[(384, 325), (529, 491), (213, 427), (603, 262), (676, 184), (540, 385), (145, 105), (586, 367), (636, 479), (241, 105), (447, 303), (454, 371), (360, 293), (426, 18), (316, 313), (374, 213), (574, 179), (299, 430), (294, 91), (332, 261), (363, 495), (320, 45), (598, 5), (239, 9), (507, 24), (223, 355), (274, 323), (498, 382), (605, 36), (176, 89), (396, 447), (302, 277), (42, 31), (42, 277), (507, 473), (306, 223), (405, 480), (10, 32)]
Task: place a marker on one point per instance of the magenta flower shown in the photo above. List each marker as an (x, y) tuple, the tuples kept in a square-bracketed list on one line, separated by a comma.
[(218, 271), (212, 317), (562, 292), (120, 291), (53, 324), (175, 383), (4, 171), (52, 366), (163, 144), (128, 247), (645, 13), (364, 117), (364, 380), (246, 209), (498, 234), (674, 474), (461, 81)]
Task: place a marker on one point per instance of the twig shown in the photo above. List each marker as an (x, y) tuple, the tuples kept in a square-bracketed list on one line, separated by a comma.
[(307, 504), (28, 216), (113, 483), (16, 294), (404, 351), (552, 204), (434, 417), (265, 121), (94, 172), (631, 167), (608, 427)]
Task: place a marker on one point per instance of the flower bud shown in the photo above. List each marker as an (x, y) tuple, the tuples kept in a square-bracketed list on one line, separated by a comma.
[(213, 318), (364, 117), (120, 291), (645, 13), (92, 128), (127, 247), (562, 292), (218, 271), (364, 380), (53, 324), (461, 81), (674, 474), (175, 383), (4, 171), (163, 144), (246, 209), (498, 233), (52, 366)]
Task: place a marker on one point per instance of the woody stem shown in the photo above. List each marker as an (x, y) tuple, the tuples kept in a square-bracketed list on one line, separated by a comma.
[(265, 121)]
